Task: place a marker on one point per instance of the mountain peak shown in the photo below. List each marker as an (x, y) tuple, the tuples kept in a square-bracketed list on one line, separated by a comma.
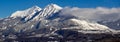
[(26, 12), (49, 10), (36, 13), (35, 6), (54, 6)]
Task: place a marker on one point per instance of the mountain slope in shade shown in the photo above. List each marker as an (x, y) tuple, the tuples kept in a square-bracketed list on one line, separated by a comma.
[(112, 24)]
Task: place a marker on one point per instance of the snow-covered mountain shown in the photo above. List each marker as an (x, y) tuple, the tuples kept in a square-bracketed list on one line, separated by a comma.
[(28, 13), (48, 11), (35, 13), (45, 22)]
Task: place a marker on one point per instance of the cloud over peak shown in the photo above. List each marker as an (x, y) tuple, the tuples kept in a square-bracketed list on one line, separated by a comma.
[(94, 14)]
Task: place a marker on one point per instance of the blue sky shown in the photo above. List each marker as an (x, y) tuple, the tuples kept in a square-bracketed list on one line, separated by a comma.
[(7, 7)]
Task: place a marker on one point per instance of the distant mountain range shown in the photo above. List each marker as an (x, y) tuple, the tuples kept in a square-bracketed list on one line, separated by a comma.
[(48, 23)]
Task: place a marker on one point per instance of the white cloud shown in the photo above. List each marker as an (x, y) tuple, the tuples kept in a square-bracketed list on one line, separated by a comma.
[(95, 14)]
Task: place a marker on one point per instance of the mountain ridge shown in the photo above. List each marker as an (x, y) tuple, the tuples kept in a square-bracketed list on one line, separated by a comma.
[(36, 13)]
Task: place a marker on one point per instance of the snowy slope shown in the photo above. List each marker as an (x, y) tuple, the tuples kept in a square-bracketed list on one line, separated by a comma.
[(48, 10), (89, 26), (31, 11)]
